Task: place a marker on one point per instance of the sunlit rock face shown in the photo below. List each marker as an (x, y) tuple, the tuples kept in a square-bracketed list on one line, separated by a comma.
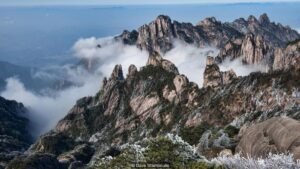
[(157, 35), (252, 39), (156, 99), (287, 57), (273, 33), (213, 77), (254, 49), (276, 135)]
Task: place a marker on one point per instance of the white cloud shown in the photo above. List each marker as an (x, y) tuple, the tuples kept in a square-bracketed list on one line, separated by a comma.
[(47, 109), (241, 69), (190, 60), (109, 54)]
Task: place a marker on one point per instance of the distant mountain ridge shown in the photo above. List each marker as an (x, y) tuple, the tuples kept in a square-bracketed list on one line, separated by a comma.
[(255, 40), (155, 100)]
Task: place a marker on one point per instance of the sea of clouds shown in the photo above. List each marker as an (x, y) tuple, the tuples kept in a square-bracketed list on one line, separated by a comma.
[(100, 55)]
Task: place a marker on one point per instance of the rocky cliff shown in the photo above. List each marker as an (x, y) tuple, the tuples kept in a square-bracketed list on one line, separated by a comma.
[(254, 40), (274, 33), (287, 57), (131, 115), (159, 34), (213, 77), (14, 136), (156, 100)]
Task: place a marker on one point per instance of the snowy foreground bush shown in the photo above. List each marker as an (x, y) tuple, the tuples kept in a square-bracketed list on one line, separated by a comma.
[(170, 151), (273, 161)]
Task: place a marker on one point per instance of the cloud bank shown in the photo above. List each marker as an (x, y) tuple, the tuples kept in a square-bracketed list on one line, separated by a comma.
[(109, 53), (190, 60), (240, 69), (48, 108), (97, 58)]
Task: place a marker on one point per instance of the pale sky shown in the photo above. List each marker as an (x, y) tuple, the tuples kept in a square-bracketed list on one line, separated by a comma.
[(124, 2)]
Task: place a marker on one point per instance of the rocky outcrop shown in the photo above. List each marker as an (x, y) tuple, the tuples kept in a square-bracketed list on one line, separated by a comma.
[(14, 135), (254, 50), (253, 40), (231, 50), (156, 99), (251, 49), (287, 57), (128, 38), (276, 135), (159, 34), (153, 101), (155, 59), (213, 77), (273, 33), (217, 33)]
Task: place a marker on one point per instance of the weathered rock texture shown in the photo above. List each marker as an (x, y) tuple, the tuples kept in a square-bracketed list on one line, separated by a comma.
[(275, 34), (276, 135), (255, 41), (254, 49), (157, 99), (287, 57), (213, 77), (14, 136), (154, 101)]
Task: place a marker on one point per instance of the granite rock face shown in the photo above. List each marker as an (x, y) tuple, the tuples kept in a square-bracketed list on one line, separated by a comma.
[(213, 77), (254, 49), (156, 99), (231, 50), (276, 135), (155, 59), (287, 57), (159, 34), (253, 40), (14, 134), (251, 49), (275, 34)]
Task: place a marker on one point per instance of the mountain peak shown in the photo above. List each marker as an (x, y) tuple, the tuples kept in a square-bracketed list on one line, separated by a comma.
[(252, 18), (210, 21), (163, 18), (214, 77), (117, 73), (155, 59), (264, 19)]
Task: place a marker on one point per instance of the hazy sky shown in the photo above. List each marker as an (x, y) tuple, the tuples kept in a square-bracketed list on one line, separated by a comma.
[(108, 2)]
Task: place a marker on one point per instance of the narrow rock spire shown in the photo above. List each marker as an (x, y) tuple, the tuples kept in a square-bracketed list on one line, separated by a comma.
[(117, 73)]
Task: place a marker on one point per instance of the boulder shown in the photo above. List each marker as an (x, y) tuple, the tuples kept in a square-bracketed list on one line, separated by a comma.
[(276, 135)]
